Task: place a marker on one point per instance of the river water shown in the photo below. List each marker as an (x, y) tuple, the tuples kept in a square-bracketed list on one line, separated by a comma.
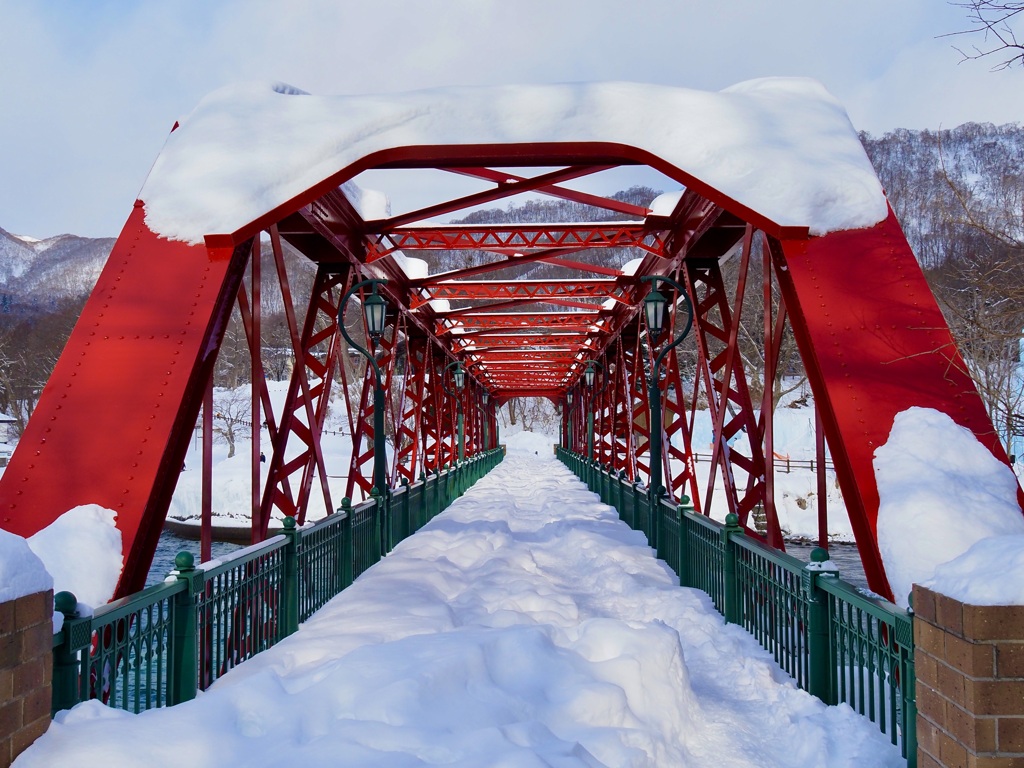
[(845, 556), (170, 545)]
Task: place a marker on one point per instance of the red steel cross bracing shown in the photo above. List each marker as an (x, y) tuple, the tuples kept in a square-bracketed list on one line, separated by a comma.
[(524, 308)]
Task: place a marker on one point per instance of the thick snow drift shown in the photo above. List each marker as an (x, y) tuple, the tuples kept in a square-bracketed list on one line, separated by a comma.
[(940, 492), (784, 147), (82, 551), (525, 626)]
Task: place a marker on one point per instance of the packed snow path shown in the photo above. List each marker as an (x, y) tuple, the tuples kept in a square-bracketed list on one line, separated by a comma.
[(525, 626)]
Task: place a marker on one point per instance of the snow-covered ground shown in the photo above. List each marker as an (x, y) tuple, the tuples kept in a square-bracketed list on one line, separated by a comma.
[(232, 477), (796, 489), (524, 626)]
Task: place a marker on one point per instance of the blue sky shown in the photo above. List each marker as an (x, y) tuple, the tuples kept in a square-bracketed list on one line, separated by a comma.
[(90, 89)]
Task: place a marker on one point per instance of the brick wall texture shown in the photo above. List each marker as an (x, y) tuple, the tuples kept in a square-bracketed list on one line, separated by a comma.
[(970, 683), (26, 670)]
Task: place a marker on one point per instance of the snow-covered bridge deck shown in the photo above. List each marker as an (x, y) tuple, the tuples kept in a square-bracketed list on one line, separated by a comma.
[(524, 626)]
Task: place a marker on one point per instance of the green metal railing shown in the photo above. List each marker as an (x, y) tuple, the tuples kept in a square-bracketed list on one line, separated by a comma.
[(835, 641), (160, 646)]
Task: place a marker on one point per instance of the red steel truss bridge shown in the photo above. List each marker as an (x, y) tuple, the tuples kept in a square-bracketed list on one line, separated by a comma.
[(114, 422)]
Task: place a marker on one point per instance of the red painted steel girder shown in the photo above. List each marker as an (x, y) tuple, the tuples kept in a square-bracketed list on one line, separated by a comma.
[(549, 256), (504, 179), (527, 289), (532, 374), (552, 320), (869, 333), (513, 349), (509, 184), (113, 424), (874, 343), (547, 358), (495, 335), (515, 304), (307, 399), (517, 238)]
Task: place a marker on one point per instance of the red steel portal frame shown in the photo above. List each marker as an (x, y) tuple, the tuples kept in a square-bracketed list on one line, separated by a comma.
[(113, 424)]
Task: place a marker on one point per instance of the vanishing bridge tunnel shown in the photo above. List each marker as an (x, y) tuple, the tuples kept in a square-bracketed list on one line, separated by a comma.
[(776, 201)]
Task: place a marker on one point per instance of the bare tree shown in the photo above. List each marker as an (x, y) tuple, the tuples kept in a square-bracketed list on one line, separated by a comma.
[(980, 287), (29, 347), (993, 20), (232, 409)]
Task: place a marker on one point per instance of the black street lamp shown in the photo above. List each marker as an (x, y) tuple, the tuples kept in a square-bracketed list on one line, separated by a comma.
[(589, 376), (375, 310), (654, 313), (459, 375), (570, 406), (485, 397)]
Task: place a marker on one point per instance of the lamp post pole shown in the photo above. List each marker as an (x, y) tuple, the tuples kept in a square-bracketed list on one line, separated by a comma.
[(589, 375), (570, 407), (460, 379), (487, 422), (654, 312), (375, 311)]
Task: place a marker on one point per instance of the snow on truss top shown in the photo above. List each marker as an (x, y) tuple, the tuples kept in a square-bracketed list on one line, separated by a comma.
[(783, 147)]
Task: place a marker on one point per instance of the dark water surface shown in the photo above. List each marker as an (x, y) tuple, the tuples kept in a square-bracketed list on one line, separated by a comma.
[(845, 556), (170, 545)]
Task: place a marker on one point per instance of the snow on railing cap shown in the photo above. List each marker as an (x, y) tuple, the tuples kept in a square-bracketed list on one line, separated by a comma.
[(783, 147)]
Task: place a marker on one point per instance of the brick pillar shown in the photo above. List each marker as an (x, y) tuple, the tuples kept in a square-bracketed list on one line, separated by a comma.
[(970, 682), (26, 669)]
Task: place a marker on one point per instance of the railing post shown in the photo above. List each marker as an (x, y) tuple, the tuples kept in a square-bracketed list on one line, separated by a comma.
[(636, 504), (731, 601), (378, 512), (904, 625), (183, 676), (421, 512), (290, 588), (620, 504), (76, 634), (406, 521), (684, 541), (436, 506), (656, 495), (347, 549), (821, 659)]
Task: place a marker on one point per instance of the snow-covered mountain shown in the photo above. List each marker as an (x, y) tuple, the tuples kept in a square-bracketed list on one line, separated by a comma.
[(943, 183), (58, 267), (16, 256)]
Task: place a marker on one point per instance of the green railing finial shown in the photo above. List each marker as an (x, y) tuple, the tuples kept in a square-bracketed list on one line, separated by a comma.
[(184, 561), (67, 604)]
